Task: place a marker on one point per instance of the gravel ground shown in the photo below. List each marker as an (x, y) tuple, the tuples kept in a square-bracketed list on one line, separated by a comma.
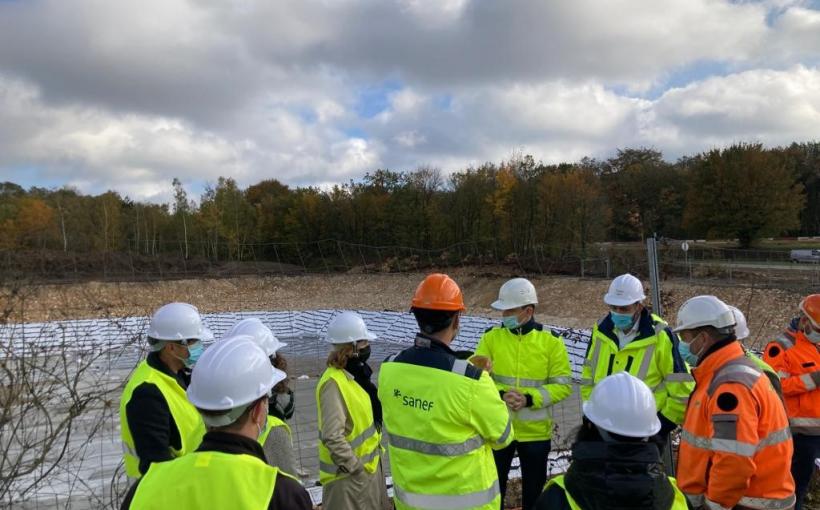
[(565, 301)]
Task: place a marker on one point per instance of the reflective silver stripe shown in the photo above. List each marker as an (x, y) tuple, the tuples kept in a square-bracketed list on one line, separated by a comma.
[(506, 434), (528, 414), (807, 426), (711, 505), (695, 499), (586, 381), (679, 378), (364, 436), (647, 360), (370, 456), (460, 366), (768, 503), (775, 437), (559, 380), (545, 397), (130, 451), (733, 446), (596, 353), (448, 501), (330, 469), (782, 374), (442, 449), (519, 381), (808, 381)]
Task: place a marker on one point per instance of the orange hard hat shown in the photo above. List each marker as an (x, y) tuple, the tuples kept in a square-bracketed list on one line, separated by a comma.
[(810, 306), (438, 292)]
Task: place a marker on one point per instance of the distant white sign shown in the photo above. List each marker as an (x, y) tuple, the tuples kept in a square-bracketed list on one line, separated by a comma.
[(684, 246)]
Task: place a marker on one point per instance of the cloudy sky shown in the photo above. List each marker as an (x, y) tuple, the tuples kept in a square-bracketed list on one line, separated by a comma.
[(125, 95)]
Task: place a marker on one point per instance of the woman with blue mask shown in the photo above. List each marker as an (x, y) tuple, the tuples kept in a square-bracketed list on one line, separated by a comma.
[(531, 370), (631, 339)]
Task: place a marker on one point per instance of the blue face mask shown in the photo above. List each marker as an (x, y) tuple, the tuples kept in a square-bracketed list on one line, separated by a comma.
[(687, 355), (194, 352), (510, 322), (622, 320)]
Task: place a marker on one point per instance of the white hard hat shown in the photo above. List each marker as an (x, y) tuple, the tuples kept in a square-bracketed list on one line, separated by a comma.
[(741, 327), (624, 291), (515, 293), (232, 373), (177, 322), (702, 311), (348, 327), (623, 404), (261, 334)]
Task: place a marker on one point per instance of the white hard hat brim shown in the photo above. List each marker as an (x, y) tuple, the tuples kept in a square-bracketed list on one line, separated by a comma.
[(502, 305), (368, 336), (615, 301), (606, 424)]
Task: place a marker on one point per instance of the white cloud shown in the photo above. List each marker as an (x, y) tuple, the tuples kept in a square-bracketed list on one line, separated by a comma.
[(130, 94)]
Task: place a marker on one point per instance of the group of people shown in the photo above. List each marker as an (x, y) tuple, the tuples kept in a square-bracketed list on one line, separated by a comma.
[(216, 436)]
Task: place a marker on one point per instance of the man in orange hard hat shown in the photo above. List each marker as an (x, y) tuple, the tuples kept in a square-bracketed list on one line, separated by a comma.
[(442, 415), (796, 359)]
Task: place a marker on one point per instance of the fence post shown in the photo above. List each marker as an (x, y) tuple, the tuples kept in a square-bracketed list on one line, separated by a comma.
[(654, 275)]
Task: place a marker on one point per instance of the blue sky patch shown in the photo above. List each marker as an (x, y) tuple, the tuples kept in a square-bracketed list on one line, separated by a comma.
[(374, 99)]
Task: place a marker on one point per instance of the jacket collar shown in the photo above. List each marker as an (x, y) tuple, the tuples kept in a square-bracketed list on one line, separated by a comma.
[(716, 357), (427, 342), (525, 328), (227, 442), (646, 327), (154, 361)]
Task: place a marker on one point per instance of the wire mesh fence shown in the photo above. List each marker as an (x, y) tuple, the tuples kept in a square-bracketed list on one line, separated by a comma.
[(76, 368), (95, 359)]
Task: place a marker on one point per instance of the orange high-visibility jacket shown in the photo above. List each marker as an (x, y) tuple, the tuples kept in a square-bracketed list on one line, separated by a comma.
[(797, 362), (735, 448)]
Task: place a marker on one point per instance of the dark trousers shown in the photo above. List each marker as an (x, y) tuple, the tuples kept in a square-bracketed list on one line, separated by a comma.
[(806, 449), (533, 458)]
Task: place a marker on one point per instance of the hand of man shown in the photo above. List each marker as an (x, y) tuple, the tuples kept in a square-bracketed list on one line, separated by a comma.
[(482, 362), (514, 400)]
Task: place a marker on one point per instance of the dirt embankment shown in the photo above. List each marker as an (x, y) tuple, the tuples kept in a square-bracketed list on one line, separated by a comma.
[(566, 301)]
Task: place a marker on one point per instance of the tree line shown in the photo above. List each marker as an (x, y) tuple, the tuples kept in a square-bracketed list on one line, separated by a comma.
[(744, 191)]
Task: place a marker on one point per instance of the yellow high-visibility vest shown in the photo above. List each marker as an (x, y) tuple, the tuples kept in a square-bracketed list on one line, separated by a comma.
[(207, 480), (188, 421), (363, 437), (441, 425)]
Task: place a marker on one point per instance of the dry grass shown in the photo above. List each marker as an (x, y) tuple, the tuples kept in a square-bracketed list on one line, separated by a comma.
[(566, 301)]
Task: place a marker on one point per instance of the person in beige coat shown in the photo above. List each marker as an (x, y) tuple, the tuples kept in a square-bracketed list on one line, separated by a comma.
[(350, 418)]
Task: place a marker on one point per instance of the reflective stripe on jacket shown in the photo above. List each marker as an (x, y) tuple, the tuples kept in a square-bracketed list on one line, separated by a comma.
[(363, 438), (736, 447), (187, 419), (442, 416), (206, 480), (534, 364), (797, 362), (652, 357)]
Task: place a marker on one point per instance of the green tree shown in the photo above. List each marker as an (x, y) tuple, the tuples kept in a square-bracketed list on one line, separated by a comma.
[(742, 191)]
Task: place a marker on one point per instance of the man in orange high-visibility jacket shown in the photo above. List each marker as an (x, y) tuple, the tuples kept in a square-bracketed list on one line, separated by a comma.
[(795, 357), (735, 448)]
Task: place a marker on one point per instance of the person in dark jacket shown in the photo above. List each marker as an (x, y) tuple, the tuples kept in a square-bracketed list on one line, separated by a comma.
[(229, 469), (614, 465)]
